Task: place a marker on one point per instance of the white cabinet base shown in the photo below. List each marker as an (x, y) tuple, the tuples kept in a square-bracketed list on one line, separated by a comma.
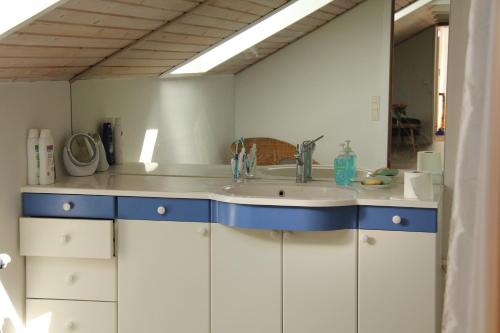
[(246, 280), (163, 277), (319, 281), (397, 282)]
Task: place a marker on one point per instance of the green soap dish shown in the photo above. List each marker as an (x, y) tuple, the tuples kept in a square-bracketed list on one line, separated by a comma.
[(386, 172)]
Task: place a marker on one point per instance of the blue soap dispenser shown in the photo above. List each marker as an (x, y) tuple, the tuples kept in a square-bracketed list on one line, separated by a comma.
[(351, 160), (341, 167)]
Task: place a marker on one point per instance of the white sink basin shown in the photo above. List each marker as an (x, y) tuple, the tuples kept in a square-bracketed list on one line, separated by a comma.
[(318, 172), (290, 192)]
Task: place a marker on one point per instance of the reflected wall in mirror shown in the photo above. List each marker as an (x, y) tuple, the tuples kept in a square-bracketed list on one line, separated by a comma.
[(188, 120), (419, 81), (334, 80)]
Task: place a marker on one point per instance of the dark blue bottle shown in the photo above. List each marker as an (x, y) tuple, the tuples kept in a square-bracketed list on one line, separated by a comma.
[(107, 141)]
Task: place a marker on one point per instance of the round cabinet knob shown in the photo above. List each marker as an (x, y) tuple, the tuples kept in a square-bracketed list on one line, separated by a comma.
[(365, 239), (287, 234), (203, 231), (65, 239), (70, 325), (275, 234), (71, 278), (161, 210), (396, 219), (67, 206)]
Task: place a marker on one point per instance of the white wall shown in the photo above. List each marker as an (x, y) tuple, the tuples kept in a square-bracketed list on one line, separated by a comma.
[(194, 116), (413, 83), (322, 84), (24, 106)]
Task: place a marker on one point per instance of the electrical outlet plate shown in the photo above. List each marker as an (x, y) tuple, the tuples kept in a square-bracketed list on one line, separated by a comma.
[(375, 108)]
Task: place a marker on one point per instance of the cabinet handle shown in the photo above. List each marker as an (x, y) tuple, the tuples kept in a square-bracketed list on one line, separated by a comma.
[(287, 234), (71, 278), (365, 239), (396, 219), (65, 239), (67, 206), (70, 325), (203, 231), (161, 210)]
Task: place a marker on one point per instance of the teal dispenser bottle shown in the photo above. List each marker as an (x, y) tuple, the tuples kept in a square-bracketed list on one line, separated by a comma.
[(351, 160), (341, 167)]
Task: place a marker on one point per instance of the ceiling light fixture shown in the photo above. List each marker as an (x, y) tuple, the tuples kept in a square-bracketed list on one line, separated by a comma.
[(254, 34), (14, 13)]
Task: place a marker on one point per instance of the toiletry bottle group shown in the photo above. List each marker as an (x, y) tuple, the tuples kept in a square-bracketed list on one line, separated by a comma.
[(113, 140), (40, 153)]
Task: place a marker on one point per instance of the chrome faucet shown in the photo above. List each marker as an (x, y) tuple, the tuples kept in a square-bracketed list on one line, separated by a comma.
[(303, 160)]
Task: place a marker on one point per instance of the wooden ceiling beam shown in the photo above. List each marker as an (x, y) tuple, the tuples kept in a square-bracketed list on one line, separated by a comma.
[(131, 46), (134, 37)]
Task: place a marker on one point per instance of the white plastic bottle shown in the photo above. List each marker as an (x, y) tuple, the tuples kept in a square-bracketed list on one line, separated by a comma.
[(47, 168), (33, 157)]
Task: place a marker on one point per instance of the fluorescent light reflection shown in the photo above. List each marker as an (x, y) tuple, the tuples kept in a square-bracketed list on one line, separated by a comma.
[(251, 36), (148, 146), (150, 167), (411, 8), (16, 12)]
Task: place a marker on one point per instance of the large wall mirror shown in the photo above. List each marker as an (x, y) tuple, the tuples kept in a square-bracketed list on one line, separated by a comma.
[(420, 59), (333, 80)]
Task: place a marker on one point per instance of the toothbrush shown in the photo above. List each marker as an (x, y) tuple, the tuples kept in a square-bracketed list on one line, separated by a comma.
[(242, 160), (234, 161)]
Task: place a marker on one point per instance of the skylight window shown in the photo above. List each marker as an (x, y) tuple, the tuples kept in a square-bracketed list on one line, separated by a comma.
[(14, 13), (256, 33)]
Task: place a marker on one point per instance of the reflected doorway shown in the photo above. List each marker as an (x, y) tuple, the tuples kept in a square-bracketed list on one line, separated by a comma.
[(419, 71)]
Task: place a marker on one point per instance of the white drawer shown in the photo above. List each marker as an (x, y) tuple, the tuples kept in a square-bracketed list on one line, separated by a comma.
[(70, 316), (67, 278), (66, 238)]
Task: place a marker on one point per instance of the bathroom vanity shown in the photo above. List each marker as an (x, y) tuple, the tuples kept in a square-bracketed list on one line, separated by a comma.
[(117, 253)]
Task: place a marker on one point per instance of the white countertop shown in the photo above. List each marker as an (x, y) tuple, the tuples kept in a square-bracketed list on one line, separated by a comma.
[(212, 187)]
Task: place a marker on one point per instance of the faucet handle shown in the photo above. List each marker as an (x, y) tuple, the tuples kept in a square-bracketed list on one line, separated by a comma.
[(318, 138), (309, 143)]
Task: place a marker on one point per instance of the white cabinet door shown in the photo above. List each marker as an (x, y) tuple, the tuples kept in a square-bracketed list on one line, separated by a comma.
[(246, 280), (163, 277), (397, 282), (319, 281)]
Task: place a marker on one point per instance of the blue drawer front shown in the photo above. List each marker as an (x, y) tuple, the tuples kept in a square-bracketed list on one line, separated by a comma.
[(412, 219), (82, 206), (284, 218), (187, 210)]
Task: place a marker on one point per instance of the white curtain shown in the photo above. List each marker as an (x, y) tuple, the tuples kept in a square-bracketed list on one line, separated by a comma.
[(465, 295)]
